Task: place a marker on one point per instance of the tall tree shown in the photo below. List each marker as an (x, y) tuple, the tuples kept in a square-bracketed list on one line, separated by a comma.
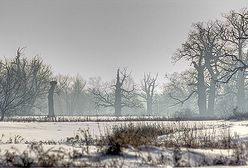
[(213, 50), (148, 85), (118, 96), (21, 84), (37, 77), (235, 34), (192, 51), (204, 49)]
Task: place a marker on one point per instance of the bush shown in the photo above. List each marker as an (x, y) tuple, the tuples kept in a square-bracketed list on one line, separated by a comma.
[(133, 135)]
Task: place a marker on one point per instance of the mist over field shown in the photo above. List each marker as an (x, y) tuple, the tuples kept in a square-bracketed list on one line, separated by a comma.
[(134, 83)]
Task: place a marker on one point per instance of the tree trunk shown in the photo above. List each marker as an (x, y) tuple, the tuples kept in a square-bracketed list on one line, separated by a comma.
[(2, 116), (241, 91), (240, 85), (212, 86), (201, 93), (118, 95), (202, 102), (50, 99), (211, 97), (118, 100), (149, 106)]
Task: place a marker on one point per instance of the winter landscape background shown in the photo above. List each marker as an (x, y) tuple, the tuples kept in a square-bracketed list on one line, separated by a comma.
[(123, 83)]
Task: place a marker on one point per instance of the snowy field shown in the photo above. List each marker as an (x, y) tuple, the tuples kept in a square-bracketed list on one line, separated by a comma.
[(55, 134), (41, 131)]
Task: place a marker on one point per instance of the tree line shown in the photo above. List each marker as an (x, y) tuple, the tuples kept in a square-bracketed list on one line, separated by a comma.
[(25, 84), (214, 84)]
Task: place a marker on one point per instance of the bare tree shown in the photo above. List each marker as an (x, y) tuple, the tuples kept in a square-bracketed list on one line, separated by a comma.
[(148, 85), (16, 85), (214, 49), (63, 90), (235, 31), (192, 51), (78, 93), (118, 96), (72, 96), (204, 49), (38, 76)]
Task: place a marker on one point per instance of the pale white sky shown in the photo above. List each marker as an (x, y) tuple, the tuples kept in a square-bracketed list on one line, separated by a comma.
[(95, 37)]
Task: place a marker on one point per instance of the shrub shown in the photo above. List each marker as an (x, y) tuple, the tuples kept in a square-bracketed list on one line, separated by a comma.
[(35, 155), (133, 135)]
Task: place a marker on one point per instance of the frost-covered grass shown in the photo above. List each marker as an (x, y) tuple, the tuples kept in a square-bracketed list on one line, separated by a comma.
[(140, 143)]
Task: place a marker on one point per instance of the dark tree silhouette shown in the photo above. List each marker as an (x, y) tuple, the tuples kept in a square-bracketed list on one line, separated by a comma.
[(50, 99), (192, 50), (204, 49)]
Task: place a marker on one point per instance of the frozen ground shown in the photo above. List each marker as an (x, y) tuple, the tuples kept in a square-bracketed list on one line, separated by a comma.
[(143, 156), (60, 130)]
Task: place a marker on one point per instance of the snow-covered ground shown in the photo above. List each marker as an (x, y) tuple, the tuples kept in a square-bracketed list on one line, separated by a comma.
[(132, 157), (41, 131)]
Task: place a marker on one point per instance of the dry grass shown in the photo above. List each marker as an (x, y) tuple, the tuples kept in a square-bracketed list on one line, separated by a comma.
[(195, 137), (132, 135), (35, 155), (169, 135), (172, 135)]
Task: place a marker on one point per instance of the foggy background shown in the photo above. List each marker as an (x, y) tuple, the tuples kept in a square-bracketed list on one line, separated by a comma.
[(94, 37)]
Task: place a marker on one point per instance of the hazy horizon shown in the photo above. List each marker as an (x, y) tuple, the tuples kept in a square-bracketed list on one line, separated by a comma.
[(93, 38)]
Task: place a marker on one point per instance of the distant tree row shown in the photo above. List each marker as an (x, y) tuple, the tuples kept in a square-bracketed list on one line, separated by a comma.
[(25, 85), (215, 83)]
